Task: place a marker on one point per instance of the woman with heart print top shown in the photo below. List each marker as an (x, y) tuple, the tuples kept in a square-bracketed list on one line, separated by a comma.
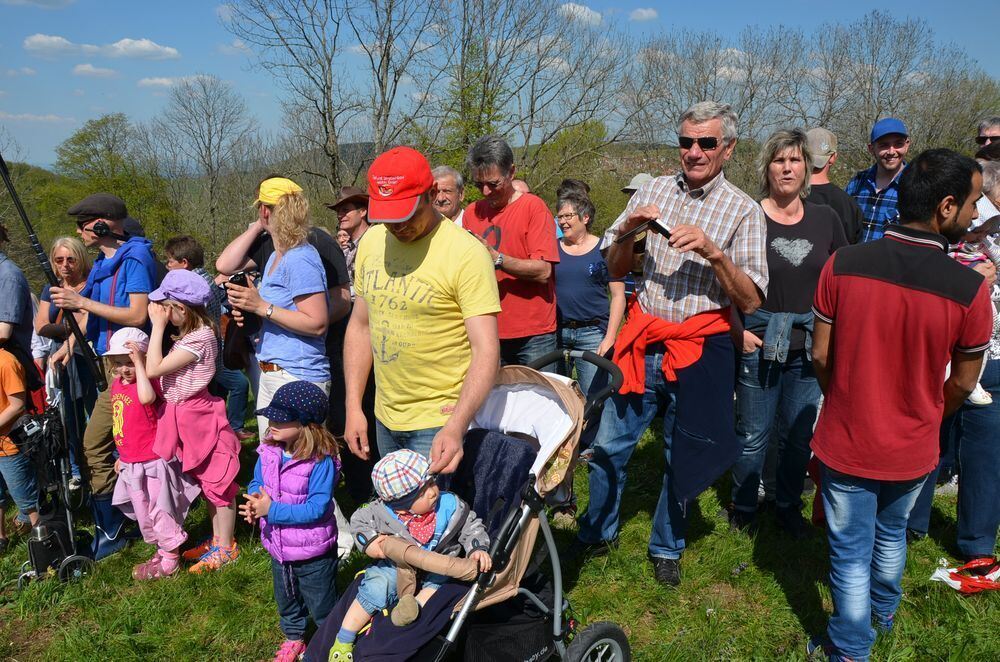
[(776, 388)]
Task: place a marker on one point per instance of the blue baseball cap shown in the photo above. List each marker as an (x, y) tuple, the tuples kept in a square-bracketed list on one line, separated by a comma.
[(297, 401), (886, 126)]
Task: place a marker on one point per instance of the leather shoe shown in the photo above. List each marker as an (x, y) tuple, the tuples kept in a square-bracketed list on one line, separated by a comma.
[(666, 571)]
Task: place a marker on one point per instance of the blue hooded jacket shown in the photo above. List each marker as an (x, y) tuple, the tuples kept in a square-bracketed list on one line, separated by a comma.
[(105, 284)]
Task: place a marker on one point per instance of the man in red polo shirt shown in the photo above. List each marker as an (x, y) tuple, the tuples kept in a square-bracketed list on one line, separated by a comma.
[(877, 435), (517, 229)]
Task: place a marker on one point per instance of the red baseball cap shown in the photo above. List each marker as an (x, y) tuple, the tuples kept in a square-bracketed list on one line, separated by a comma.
[(396, 180)]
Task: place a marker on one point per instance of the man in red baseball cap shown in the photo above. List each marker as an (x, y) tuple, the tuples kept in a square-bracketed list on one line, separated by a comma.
[(424, 316)]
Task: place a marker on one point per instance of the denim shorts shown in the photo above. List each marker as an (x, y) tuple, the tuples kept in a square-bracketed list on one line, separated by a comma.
[(17, 478)]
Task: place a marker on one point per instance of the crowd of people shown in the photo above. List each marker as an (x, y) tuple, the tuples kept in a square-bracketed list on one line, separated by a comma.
[(795, 328)]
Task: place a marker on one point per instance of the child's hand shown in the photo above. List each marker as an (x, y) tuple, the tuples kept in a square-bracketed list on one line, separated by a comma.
[(374, 549), (246, 510), (135, 354), (483, 559), (158, 314), (259, 503), (118, 466)]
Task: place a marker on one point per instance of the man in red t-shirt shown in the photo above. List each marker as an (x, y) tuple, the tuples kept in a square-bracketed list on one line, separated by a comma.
[(517, 229), (877, 436)]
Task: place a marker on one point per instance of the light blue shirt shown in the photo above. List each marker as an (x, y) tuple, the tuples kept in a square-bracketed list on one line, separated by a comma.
[(15, 302), (299, 272)]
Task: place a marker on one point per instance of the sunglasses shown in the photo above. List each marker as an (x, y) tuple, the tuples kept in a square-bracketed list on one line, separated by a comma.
[(493, 185), (706, 143), (982, 140), (65, 260)]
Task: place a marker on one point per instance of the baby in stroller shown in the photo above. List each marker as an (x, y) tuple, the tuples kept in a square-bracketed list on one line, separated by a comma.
[(409, 505)]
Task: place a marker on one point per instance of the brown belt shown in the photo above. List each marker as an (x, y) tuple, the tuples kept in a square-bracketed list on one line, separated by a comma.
[(266, 366)]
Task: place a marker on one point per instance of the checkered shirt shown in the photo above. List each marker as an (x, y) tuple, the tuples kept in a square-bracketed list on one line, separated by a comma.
[(877, 207), (675, 286)]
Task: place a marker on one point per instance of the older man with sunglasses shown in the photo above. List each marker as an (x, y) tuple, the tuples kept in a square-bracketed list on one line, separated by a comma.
[(705, 260)]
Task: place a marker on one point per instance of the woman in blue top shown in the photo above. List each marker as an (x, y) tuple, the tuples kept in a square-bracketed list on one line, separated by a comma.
[(586, 319), (292, 298)]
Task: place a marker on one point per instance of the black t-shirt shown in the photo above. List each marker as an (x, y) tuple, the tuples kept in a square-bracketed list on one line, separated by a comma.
[(334, 265), (845, 206), (795, 257)]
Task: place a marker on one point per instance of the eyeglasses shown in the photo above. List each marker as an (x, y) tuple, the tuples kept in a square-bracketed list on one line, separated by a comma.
[(706, 143), (566, 217), (65, 260), (493, 185), (984, 140)]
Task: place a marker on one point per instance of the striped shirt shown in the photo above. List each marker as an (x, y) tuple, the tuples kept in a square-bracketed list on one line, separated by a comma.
[(878, 208), (192, 378), (675, 286)]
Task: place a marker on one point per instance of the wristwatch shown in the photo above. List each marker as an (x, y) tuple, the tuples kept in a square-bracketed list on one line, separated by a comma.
[(270, 309), (498, 263)]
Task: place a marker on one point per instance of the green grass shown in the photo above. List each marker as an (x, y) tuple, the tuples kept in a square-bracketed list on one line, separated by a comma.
[(740, 599)]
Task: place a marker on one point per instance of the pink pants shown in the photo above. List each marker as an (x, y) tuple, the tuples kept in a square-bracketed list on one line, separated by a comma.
[(158, 528), (157, 496)]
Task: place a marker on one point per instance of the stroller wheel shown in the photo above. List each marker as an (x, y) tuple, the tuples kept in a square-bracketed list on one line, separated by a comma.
[(25, 578), (75, 567), (603, 641)]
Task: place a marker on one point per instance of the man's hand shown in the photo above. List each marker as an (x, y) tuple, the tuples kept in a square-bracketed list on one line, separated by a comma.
[(639, 216), (605, 345), (493, 252), (446, 451), (482, 559), (690, 238), (356, 433), (159, 315), (66, 298), (246, 298), (374, 548), (62, 355), (259, 503), (988, 270), (750, 342)]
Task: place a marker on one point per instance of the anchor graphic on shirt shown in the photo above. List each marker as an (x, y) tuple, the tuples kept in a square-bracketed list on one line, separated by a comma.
[(383, 355)]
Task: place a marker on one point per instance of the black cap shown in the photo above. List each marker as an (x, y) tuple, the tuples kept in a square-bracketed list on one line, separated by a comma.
[(99, 205), (132, 227)]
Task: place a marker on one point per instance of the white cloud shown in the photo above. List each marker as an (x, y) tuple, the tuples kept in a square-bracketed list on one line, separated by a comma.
[(643, 14), (575, 12), (358, 49), (31, 117), (557, 64), (158, 82), (23, 71), (224, 12), (235, 47), (43, 4), (78, 92), (51, 46), (91, 71)]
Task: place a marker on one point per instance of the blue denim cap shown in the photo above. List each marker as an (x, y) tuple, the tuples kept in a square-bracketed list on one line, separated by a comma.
[(886, 126)]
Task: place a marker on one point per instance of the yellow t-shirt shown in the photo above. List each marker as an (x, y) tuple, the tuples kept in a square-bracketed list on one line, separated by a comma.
[(419, 295), (11, 383)]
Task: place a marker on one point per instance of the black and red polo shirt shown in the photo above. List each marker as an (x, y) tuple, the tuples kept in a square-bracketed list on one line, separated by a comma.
[(899, 308)]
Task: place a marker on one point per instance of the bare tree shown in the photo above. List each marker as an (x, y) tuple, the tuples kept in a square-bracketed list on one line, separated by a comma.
[(207, 125), (299, 41)]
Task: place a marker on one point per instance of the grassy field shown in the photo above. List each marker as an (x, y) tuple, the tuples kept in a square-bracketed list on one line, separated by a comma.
[(741, 598)]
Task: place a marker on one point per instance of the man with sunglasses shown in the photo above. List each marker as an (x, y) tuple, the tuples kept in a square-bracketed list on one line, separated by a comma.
[(989, 131), (116, 295), (516, 228), (706, 259), (877, 188)]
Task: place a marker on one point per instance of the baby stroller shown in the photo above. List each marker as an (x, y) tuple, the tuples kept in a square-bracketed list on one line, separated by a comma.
[(519, 457), (53, 544)]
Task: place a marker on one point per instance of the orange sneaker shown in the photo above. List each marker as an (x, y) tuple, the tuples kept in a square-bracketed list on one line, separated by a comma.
[(216, 558), (195, 553)]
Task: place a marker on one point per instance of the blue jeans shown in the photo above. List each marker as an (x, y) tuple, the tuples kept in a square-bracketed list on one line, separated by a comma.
[(623, 422), (774, 396), (392, 440), (522, 351), (585, 338), (237, 386), (377, 590), (303, 589), (17, 478), (866, 530)]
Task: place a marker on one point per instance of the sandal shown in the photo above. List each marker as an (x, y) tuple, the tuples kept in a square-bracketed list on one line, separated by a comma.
[(290, 651)]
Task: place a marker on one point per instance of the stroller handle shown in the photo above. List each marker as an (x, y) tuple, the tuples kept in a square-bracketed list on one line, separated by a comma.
[(595, 402)]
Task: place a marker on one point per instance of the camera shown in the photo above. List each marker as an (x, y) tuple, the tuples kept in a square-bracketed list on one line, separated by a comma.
[(243, 278)]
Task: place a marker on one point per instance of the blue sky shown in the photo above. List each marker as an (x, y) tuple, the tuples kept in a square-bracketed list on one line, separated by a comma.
[(67, 61)]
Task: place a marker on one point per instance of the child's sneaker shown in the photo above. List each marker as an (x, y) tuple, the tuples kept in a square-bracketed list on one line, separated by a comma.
[(290, 651), (195, 553), (215, 558), (341, 652), (980, 397)]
